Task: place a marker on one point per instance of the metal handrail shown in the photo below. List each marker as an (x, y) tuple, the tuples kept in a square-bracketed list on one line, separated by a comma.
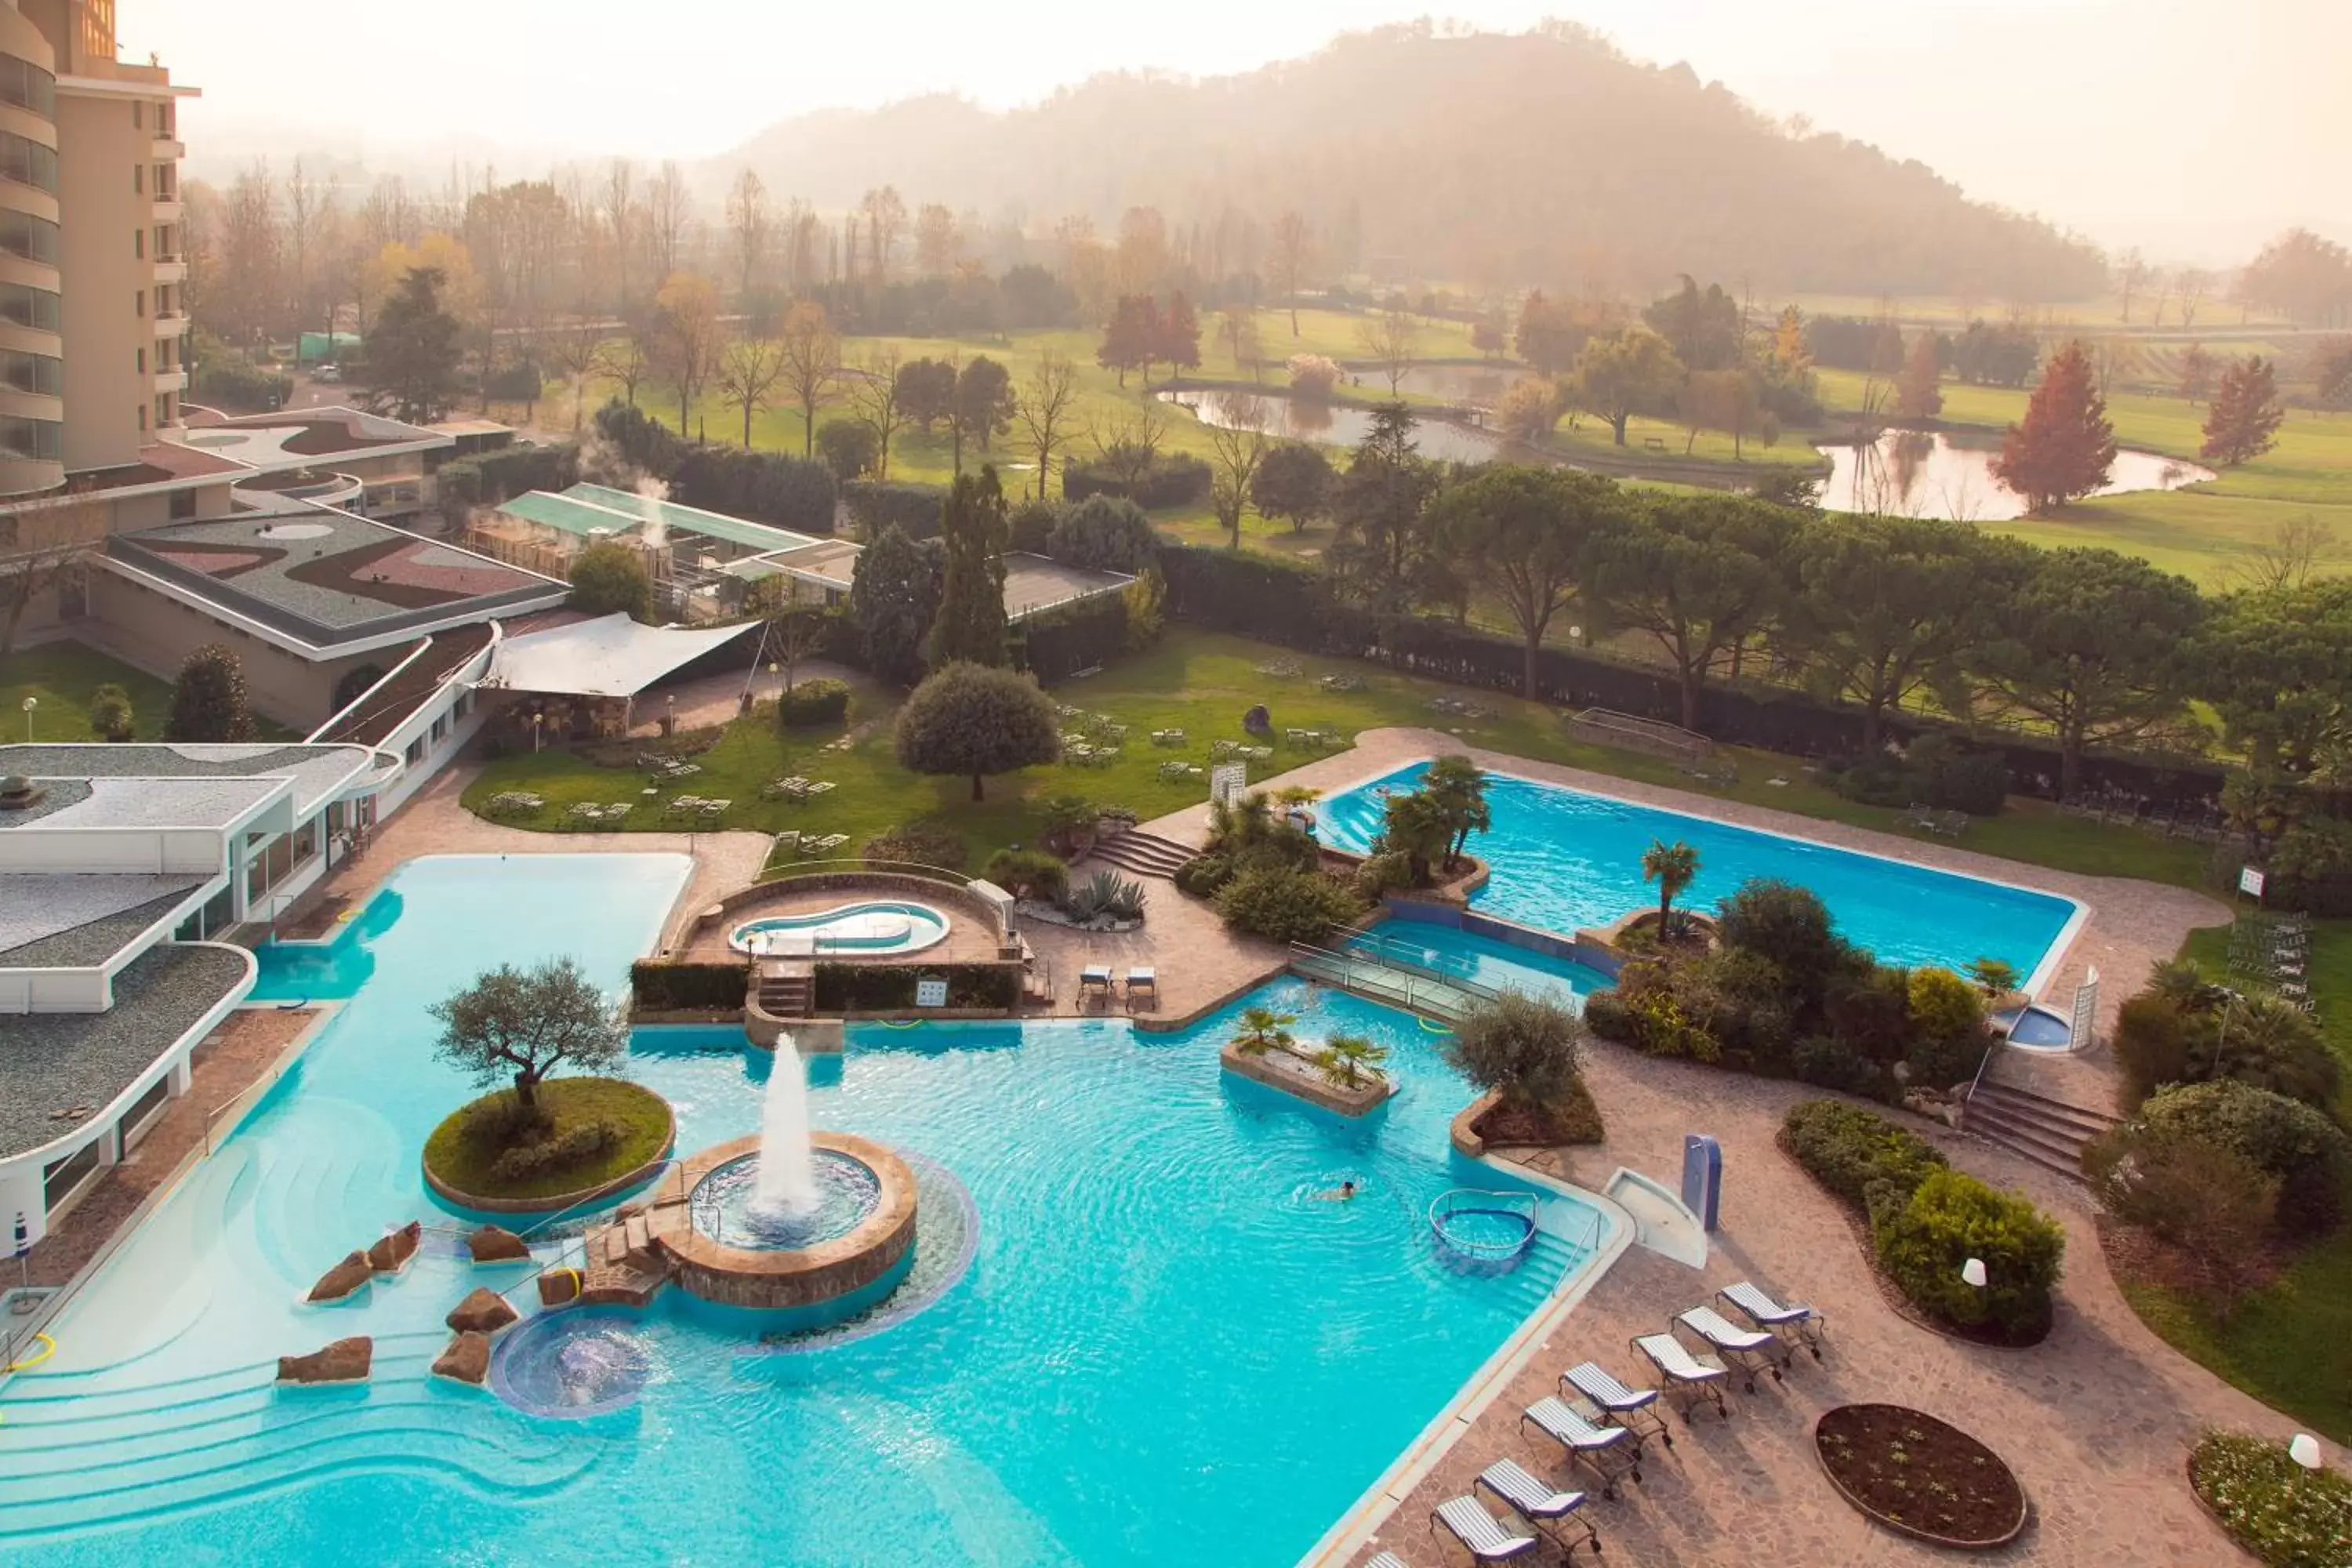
[(660, 1170), (1983, 1062)]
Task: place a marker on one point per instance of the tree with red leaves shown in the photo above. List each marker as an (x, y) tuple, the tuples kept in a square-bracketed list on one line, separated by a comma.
[(2065, 445), (2243, 419), (1131, 337), (1179, 335)]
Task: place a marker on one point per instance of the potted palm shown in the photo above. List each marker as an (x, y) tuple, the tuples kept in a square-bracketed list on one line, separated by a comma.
[(1673, 867)]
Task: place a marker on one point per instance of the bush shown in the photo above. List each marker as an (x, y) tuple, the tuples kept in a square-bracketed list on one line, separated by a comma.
[(1952, 779), (1951, 1218), (578, 1146), (914, 510), (1947, 1027), (489, 477), (1605, 1017), (973, 721), (848, 447), (657, 985), (1829, 1062), (1383, 874), (1858, 1155), (869, 987), (110, 718), (1033, 523), (1790, 927), (1284, 903), (812, 702), (1028, 874), (2204, 1197), (1173, 478), (2174, 1032), (782, 491), (921, 844), (208, 701), (2151, 1044), (2283, 1138), (1527, 1048), (2287, 1516), (609, 577), (1203, 875), (232, 384), (1104, 534)]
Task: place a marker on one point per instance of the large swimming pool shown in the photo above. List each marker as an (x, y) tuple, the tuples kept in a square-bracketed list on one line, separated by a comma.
[(1165, 1349), (1560, 859)]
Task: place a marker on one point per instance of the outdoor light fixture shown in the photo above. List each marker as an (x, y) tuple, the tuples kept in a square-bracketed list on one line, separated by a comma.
[(30, 703), (2303, 1450), (1973, 1272)]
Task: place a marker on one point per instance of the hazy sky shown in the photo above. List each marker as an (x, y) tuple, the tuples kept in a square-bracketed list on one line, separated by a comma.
[(2189, 127)]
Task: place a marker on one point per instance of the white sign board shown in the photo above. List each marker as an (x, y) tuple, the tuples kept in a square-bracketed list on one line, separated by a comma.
[(1228, 781), (930, 992), (2250, 881), (2086, 1011)]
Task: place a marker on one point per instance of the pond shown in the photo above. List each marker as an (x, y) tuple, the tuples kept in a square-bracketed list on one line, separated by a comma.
[(1483, 385), (1949, 474), (1331, 423)]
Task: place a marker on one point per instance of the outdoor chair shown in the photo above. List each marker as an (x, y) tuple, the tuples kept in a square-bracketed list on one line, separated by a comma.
[(1480, 1533), (1538, 1502), (1748, 1349), (1608, 1452), (1142, 979), (1593, 1383), (1386, 1560), (1795, 1324), (1690, 1378)]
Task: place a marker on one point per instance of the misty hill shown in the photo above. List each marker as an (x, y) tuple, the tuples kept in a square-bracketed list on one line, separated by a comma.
[(1546, 158)]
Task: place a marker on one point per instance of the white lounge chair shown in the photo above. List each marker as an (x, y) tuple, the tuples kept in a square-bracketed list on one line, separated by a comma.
[(1608, 1452), (1748, 1349), (1480, 1533), (1690, 1379), (1594, 1383), (1541, 1504), (1794, 1322), (1386, 1560)]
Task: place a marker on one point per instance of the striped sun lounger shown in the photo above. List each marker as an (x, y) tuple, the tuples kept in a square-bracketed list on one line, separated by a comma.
[(1480, 1532), (1795, 1324), (1691, 1378), (1627, 1406), (1608, 1452), (1749, 1350), (1542, 1505), (1386, 1560)]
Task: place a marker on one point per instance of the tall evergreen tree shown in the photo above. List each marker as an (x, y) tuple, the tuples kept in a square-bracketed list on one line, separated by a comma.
[(2243, 419), (971, 625), (892, 598), (208, 701), (2065, 446), (412, 355)]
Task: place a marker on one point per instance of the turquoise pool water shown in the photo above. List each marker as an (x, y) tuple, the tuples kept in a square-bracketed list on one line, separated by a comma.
[(1167, 1348), (1560, 859), (869, 927), (1448, 950)]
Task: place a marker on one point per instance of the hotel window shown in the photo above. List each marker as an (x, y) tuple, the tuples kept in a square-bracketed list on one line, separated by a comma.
[(416, 752), (28, 162), (139, 303), (143, 416), (138, 245), (138, 179), (138, 115), (39, 308), (440, 729), (27, 86), (33, 238), (142, 360), (36, 373)]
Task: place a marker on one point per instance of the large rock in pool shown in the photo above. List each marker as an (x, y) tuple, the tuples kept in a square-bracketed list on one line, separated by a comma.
[(493, 1244), (340, 1281), (467, 1359), (390, 1255), (345, 1361), (559, 1287), (484, 1311)]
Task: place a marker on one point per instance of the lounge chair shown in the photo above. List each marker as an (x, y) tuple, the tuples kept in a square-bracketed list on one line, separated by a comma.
[(1608, 1452), (1542, 1505), (1480, 1533), (1386, 1560), (1751, 1350), (1142, 979), (1795, 1324), (1690, 1378), (1594, 1383)]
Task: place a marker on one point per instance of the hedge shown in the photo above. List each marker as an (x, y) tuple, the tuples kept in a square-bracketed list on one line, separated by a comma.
[(660, 986), (822, 701), (1273, 599), (873, 987), (876, 504), (1056, 644), (234, 384), (764, 487), (1174, 479), (489, 477)]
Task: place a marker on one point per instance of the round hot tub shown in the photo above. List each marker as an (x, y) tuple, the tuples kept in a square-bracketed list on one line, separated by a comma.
[(2035, 1028)]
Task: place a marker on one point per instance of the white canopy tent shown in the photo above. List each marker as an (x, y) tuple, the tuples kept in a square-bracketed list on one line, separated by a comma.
[(611, 656)]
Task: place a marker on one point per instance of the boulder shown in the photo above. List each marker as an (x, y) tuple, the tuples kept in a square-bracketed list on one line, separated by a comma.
[(345, 1361), (494, 1244), (467, 1359), (342, 1280), (391, 1253), (559, 1287), (484, 1311)]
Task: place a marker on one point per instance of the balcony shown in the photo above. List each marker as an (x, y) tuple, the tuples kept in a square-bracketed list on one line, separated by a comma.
[(172, 380), (171, 323), (168, 269), (166, 207), (167, 151)]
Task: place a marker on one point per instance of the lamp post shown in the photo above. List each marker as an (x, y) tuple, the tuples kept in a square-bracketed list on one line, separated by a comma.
[(2303, 1450), (1972, 1272), (538, 721), (30, 703)]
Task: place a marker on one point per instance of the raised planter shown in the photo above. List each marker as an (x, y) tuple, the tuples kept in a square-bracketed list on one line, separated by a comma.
[(480, 1203), (1920, 1476), (1294, 1075)]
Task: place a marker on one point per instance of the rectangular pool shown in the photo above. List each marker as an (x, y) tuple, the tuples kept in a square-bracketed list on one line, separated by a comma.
[(1561, 858)]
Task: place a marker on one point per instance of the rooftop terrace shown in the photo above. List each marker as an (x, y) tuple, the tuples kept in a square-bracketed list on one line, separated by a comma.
[(75, 770)]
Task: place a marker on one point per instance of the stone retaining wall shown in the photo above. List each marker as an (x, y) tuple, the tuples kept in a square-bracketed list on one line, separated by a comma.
[(1295, 1076)]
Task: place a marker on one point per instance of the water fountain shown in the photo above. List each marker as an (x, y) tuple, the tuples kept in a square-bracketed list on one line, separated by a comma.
[(787, 1167)]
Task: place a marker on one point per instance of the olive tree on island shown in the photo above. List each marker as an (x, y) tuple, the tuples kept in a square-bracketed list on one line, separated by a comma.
[(521, 1024)]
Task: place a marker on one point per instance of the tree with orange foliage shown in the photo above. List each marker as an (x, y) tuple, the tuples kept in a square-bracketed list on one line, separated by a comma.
[(2065, 447), (1919, 394)]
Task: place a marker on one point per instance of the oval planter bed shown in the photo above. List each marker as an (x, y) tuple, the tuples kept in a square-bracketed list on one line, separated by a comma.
[(1920, 1476), (2271, 1508), (460, 1172)]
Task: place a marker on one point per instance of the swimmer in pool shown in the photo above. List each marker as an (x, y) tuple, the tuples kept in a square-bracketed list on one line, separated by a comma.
[(1340, 1193)]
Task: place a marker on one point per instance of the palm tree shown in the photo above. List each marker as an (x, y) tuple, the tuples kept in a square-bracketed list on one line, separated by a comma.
[(1996, 977), (1670, 866), (1459, 788), (1415, 826), (1262, 1030), (1244, 824), (1349, 1059)]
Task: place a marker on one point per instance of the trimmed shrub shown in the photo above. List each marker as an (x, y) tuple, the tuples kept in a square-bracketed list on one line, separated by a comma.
[(1606, 1017), (866, 987), (914, 511), (812, 702), (2284, 1138), (1058, 643), (2151, 1044), (1174, 479), (1203, 875), (1858, 1155), (657, 985), (1951, 1218), (1788, 927), (1947, 1027), (110, 718), (1033, 520), (234, 384), (920, 842), (1104, 534), (1829, 1062), (1285, 904), (2287, 1516), (1028, 874), (1383, 874), (578, 1146)]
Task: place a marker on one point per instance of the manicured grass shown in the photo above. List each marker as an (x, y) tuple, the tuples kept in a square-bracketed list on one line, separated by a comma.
[(1203, 683), (2331, 986), (644, 1117), (61, 677)]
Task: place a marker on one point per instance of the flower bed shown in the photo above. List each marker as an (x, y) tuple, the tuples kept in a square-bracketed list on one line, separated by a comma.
[(1919, 1476), (2284, 1514)]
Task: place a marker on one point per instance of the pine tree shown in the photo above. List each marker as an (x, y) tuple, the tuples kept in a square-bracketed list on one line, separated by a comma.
[(2065, 446), (2243, 419), (970, 627), (1917, 394), (411, 357)]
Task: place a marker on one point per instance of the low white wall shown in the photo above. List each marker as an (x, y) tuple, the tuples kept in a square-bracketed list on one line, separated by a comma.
[(111, 849)]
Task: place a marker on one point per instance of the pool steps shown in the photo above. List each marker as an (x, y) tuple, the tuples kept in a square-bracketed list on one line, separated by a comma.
[(2050, 1132)]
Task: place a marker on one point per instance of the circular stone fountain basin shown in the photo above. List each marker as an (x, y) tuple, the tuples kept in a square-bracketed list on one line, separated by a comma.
[(726, 1208)]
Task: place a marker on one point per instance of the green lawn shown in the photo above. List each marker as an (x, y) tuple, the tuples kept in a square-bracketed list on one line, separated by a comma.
[(61, 676), (642, 1116), (1203, 683)]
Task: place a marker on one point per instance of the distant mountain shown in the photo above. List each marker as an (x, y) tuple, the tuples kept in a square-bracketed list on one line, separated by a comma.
[(1546, 159)]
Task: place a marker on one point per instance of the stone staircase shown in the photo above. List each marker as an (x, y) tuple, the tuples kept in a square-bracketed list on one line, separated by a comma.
[(2050, 1132), (1145, 854), (786, 991), (625, 1267)]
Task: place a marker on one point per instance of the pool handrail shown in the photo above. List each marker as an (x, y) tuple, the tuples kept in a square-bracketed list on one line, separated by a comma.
[(1443, 1207)]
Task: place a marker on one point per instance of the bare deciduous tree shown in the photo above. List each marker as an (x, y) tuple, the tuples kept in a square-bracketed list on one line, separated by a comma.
[(1237, 330), (2285, 559), (749, 368), (1048, 403), (667, 208), (1127, 442), (748, 221), (872, 391), (580, 350), (1236, 450), (812, 352), (686, 339), (629, 361), (1388, 338), (621, 225), (1292, 245), (885, 214), (40, 546)]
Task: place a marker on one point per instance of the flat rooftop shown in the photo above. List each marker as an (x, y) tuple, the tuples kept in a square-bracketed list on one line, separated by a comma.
[(1034, 583), (59, 1063), (326, 577), (417, 681), (586, 508), (296, 438), (64, 919), (319, 772)]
